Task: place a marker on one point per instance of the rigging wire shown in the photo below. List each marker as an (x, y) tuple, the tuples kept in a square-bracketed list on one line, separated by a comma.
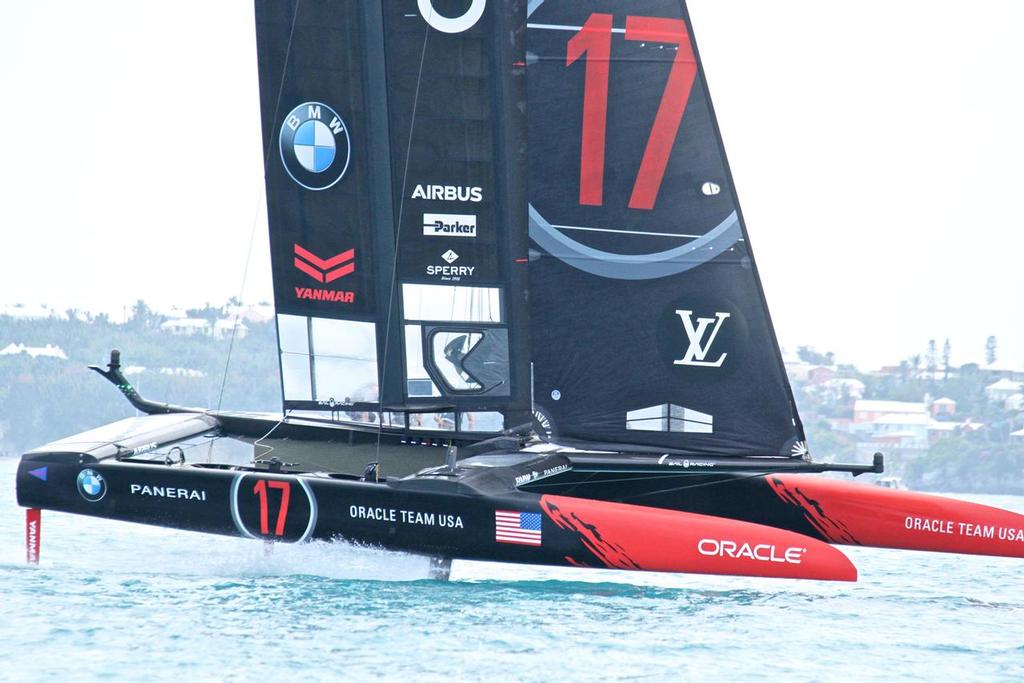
[(398, 237), (255, 223)]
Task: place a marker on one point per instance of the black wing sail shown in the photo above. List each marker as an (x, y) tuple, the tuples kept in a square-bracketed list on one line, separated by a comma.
[(397, 209), (649, 324), (321, 204)]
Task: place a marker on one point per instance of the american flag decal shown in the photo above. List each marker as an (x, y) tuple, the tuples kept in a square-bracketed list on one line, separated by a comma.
[(522, 528)]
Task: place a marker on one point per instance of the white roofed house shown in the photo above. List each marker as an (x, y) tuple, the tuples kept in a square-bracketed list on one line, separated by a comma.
[(48, 351), (840, 387), (897, 428), (1003, 389), (186, 326), (222, 328), (866, 410)]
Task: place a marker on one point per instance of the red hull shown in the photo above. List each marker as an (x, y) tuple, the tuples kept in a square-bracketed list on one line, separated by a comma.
[(642, 538), (855, 514)]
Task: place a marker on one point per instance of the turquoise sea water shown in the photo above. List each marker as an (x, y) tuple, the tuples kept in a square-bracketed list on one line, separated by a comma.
[(117, 601)]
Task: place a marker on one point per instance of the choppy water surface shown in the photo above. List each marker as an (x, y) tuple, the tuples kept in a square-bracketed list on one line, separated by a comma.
[(125, 602)]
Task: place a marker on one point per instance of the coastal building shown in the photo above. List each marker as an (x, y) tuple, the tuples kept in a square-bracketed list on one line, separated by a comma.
[(222, 329), (48, 351), (1001, 390), (865, 410), (187, 327), (943, 408)]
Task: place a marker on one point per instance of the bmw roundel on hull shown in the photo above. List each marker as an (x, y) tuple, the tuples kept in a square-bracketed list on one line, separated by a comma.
[(91, 485), (315, 145)]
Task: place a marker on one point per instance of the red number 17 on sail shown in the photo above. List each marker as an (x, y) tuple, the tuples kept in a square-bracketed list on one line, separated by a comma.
[(595, 40)]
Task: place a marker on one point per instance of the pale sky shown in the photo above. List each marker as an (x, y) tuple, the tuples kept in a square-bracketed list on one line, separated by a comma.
[(877, 147)]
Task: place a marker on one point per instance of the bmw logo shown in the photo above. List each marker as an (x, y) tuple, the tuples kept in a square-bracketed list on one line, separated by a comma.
[(315, 146), (92, 485)]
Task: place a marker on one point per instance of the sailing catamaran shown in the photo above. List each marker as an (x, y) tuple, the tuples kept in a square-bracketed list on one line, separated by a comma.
[(508, 229)]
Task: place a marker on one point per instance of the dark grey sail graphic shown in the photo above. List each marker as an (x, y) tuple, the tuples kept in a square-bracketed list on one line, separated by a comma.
[(649, 324), (391, 188)]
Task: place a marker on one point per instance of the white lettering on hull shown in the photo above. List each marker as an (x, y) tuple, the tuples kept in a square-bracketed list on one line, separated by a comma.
[(167, 492), (762, 552), (382, 514)]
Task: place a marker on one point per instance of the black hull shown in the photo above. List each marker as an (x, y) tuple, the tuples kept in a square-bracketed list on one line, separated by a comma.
[(465, 515), (749, 516)]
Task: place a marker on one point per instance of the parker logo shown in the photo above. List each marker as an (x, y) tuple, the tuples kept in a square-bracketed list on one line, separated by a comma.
[(314, 145), (449, 225), (701, 339), (762, 552), (325, 270)]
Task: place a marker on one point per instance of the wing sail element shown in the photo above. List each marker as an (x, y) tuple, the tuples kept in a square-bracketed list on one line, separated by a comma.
[(649, 325), (394, 139)]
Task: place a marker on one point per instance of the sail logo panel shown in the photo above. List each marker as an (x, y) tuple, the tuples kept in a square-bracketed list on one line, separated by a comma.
[(394, 135), (644, 293)]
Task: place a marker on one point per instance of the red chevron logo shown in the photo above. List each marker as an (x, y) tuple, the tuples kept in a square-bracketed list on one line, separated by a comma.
[(325, 270)]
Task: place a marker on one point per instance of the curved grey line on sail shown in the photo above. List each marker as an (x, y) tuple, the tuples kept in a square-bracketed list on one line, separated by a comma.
[(634, 266)]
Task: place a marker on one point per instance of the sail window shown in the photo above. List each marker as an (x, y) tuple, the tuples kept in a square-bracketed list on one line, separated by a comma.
[(444, 303), (295, 377), (293, 332), (326, 360), (344, 360), (669, 418), (417, 380), (442, 422), (481, 421), (449, 349)]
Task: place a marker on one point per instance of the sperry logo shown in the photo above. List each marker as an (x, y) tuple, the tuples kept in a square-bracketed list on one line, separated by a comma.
[(701, 337), (325, 270)]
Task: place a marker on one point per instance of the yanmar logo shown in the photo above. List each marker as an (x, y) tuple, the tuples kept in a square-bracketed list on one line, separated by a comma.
[(762, 552), (326, 271)]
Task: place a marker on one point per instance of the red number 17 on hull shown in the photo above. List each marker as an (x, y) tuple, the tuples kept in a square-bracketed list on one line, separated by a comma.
[(595, 40)]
